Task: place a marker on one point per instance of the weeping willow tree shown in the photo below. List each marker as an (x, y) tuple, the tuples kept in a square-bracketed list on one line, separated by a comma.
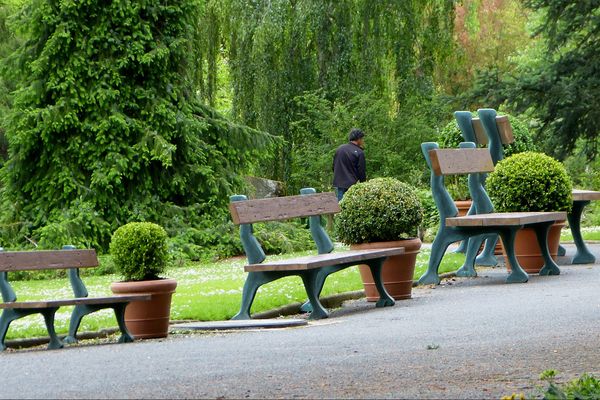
[(277, 51), (107, 125)]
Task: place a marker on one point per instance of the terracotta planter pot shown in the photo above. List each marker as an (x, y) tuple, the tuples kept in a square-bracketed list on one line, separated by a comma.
[(463, 206), (528, 251), (397, 272), (148, 319)]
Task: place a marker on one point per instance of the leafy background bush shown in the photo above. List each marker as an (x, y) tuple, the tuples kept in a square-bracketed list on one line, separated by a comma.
[(139, 250), (530, 182), (431, 216), (381, 209)]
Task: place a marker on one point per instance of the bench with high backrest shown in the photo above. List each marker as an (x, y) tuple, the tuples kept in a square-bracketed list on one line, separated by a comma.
[(492, 130), (498, 131), (70, 259), (312, 269), (478, 227)]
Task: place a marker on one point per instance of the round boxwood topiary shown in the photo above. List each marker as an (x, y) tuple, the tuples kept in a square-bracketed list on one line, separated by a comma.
[(530, 181), (381, 209), (139, 250)]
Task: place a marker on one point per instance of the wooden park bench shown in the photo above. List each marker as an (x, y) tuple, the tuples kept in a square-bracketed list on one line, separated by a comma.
[(69, 259), (495, 131), (312, 269), (485, 223)]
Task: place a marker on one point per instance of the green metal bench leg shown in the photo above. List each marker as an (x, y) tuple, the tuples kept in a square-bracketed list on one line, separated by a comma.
[(7, 317), (468, 268), (464, 244), (443, 239), (78, 313), (582, 255), (48, 314), (541, 232), (376, 266), (322, 275), (120, 316), (561, 251), (309, 278), (517, 275), (487, 256), (254, 280)]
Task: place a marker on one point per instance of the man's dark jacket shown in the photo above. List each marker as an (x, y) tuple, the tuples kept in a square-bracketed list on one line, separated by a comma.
[(348, 166)]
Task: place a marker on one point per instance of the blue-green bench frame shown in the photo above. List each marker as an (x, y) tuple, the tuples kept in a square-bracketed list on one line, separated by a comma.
[(70, 259), (485, 224), (313, 270)]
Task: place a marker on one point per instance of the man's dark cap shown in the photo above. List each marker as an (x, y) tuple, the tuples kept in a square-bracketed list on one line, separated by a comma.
[(355, 134)]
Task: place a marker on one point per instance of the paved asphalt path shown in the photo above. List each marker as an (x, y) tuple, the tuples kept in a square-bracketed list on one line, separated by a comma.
[(466, 338)]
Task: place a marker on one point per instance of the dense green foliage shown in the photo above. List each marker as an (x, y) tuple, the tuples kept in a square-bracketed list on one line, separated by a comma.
[(379, 210), (105, 126), (530, 182), (108, 109), (139, 250), (309, 70), (559, 81)]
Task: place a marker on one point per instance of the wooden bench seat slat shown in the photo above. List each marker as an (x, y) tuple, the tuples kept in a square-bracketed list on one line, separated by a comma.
[(513, 218), (583, 195), (47, 259), (75, 301), (460, 161), (323, 260), (281, 208)]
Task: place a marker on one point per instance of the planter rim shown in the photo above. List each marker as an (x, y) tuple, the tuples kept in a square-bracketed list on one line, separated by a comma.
[(157, 285), (409, 244)]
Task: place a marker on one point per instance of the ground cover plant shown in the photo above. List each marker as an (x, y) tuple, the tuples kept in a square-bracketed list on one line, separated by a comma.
[(205, 291)]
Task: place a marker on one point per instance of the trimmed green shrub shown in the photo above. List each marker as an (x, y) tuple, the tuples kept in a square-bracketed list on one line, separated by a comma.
[(139, 250), (530, 182), (382, 209)]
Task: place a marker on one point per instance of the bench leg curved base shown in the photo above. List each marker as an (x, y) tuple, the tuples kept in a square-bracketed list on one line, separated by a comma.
[(313, 283), (444, 238), (582, 255), (487, 257), (517, 274), (55, 342), (376, 266), (254, 280), (541, 232)]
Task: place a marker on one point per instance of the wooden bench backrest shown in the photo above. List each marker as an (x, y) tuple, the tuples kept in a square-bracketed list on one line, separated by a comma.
[(281, 208), (460, 161), (504, 129), (47, 259)]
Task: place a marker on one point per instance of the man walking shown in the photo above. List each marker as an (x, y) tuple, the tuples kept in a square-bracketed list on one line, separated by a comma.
[(349, 164)]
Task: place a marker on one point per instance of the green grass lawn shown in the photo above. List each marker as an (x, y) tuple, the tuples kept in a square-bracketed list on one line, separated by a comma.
[(209, 291), (204, 292), (588, 233)]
